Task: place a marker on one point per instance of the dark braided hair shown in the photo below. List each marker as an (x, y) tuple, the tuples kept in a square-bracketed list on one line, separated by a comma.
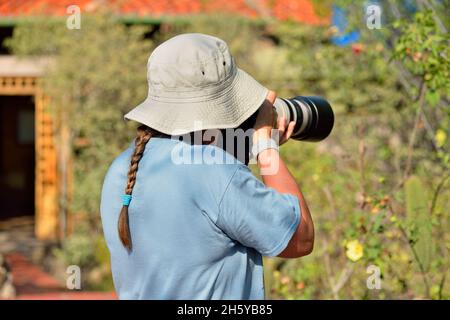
[(144, 134)]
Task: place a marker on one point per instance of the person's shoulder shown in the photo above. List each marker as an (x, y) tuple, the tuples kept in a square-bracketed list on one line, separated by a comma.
[(123, 157), (115, 173), (220, 160), (121, 161), (226, 171)]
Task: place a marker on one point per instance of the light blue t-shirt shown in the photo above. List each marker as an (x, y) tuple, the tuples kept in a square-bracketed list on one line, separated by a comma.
[(198, 230)]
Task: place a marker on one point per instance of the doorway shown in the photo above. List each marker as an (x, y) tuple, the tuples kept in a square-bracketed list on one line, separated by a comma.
[(17, 156)]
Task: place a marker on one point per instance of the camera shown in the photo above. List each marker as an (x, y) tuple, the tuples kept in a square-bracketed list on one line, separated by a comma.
[(313, 116)]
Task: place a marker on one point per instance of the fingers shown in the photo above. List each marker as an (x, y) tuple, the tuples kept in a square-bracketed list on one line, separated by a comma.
[(266, 110), (281, 125), (287, 133), (271, 96), (290, 129), (265, 118)]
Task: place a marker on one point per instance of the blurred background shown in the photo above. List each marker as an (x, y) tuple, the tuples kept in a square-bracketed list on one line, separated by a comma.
[(378, 187)]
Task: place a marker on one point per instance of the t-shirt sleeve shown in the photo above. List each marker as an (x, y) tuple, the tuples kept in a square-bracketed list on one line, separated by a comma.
[(257, 216)]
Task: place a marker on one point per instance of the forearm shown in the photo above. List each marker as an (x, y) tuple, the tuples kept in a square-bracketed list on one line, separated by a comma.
[(283, 181), (280, 179)]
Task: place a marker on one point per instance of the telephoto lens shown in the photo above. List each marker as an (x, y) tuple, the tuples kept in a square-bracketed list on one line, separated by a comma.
[(312, 115)]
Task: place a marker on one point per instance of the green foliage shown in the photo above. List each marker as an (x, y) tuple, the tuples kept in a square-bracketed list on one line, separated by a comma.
[(322, 7), (424, 50), (241, 34), (418, 218), (26, 43), (324, 69), (77, 250)]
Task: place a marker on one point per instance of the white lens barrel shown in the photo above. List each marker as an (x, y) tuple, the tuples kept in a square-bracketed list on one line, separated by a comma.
[(285, 108), (306, 117), (282, 109)]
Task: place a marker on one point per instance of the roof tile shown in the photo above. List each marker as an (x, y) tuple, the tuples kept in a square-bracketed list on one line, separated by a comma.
[(297, 10)]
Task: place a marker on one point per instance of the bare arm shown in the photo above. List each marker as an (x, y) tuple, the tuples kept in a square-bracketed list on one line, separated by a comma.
[(302, 242)]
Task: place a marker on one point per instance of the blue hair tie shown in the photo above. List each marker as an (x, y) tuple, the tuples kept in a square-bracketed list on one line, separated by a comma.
[(126, 199)]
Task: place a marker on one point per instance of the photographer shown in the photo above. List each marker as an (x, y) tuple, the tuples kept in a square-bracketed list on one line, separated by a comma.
[(199, 231)]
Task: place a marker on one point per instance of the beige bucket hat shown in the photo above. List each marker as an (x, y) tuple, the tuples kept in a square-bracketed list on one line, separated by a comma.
[(194, 84)]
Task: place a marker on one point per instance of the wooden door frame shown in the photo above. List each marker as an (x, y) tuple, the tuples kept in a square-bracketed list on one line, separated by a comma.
[(47, 222)]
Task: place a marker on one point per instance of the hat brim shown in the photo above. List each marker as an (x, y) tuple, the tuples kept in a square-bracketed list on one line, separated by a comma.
[(226, 109)]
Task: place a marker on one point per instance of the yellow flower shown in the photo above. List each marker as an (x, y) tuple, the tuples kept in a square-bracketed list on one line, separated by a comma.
[(354, 250), (440, 137)]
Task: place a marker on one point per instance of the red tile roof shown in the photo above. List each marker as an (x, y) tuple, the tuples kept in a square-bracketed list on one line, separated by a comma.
[(297, 10)]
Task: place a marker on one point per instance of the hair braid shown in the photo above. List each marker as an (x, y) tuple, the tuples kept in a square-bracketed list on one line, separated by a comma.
[(144, 134)]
